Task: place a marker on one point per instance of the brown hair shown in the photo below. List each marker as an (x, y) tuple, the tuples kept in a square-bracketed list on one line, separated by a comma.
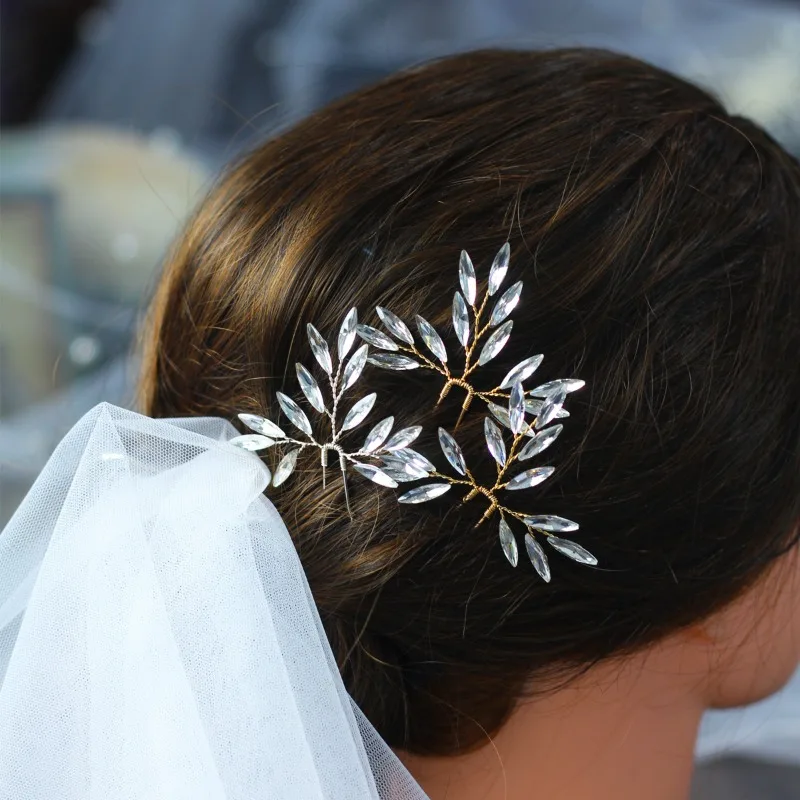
[(659, 243)]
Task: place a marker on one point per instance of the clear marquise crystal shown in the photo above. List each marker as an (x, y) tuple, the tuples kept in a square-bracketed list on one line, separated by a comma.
[(572, 550), (522, 371), (516, 408), (424, 493), (497, 273), (466, 277), (508, 543), (358, 413), (506, 304), (392, 361), (540, 442), (285, 467), (310, 388), (551, 523), (494, 441), (395, 325), (378, 435), (431, 339), (495, 343), (319, 347), (376, 338), (355, 366), (566, 385), (295, 414), (461, 318), (252, 442), (538, 557), (347, 334), (452, 452), (529, 478)]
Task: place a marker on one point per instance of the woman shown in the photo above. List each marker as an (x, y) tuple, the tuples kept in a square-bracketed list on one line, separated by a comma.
[(656, 238)]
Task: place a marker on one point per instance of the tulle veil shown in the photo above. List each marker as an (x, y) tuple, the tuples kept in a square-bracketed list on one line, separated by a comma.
[(158, 638)]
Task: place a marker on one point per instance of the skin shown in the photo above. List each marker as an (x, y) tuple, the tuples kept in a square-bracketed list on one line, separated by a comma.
[(627, 729)]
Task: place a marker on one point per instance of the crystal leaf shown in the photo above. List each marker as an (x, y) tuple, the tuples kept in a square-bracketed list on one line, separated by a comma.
[(494, 441), (431, 338), (395, 325), (452, 452), (535, 406), (375, 475), (529, 478), (421, 494), (409, 456), (396, 466), (550, 408), (377, 436), (403, 438), (461, 318), (400, 474), (393, 361), (262, 425), (285, 467), (572, 550), (495, 343), (347, 333), (310, 388), (500, 414), (357, 414), (565, 385), (466, 277), (355, 366), (499, 268), (252, 442), (509, 543), (375, 337), (522, 371), (296, 414), (319, 347), (506, 304), (516, 408), (538, 557), (551, 523), (540, 442)]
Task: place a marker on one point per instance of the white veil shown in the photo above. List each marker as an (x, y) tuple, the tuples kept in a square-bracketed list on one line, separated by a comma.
[(158, 638)]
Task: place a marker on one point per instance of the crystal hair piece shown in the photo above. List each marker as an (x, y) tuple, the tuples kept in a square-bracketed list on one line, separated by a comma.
[(379, 442), (509, 403), (388, 460)]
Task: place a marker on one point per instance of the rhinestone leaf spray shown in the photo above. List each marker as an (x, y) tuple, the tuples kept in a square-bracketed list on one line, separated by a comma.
[(379, 444), (481, 338), (525, 413), (528, 437)]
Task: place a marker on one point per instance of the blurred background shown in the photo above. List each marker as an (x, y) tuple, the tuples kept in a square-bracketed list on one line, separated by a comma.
[(114, 117)]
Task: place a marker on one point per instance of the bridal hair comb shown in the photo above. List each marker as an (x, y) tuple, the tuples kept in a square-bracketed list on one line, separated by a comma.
[(388, 460)]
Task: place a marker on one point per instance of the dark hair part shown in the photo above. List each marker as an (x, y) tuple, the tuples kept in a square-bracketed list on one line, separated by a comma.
[(659, 243)]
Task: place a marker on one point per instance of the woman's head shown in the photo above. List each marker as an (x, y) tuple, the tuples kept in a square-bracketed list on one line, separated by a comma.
[(658, 242)]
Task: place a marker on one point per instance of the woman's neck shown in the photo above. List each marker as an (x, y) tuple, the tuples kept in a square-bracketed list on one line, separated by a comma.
[(622, 732)]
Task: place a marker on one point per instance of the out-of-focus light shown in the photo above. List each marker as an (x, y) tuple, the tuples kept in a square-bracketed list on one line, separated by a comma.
[(84, 350), (125, 247), (165, 140)]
